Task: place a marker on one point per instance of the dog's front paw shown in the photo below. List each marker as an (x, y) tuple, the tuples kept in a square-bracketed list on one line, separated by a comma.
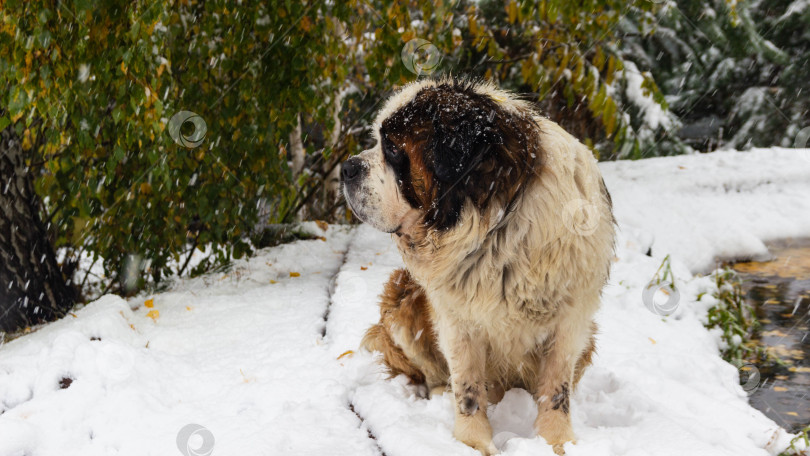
[(486, 450), (475, 431), (558, 448), (555, 427), (484, 445)]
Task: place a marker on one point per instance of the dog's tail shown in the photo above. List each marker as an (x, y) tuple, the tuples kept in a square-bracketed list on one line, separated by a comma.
[(378, 339)]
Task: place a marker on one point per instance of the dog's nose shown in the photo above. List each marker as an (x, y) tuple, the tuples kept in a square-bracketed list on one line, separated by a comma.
[(350, 169)]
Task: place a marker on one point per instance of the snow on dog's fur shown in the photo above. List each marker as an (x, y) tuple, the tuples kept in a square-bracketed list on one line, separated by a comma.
[(505, 226)]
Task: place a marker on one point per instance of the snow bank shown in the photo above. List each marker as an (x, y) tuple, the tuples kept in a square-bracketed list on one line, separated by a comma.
[(712, 207)]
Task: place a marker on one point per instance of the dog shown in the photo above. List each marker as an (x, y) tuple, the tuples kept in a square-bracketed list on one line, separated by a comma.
[(506, 229)]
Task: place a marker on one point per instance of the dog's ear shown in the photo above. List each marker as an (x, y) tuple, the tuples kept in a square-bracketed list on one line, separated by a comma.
[(461, 143)]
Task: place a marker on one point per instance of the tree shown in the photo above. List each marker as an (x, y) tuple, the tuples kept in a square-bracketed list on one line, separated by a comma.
[(734, 72), (33, 287)]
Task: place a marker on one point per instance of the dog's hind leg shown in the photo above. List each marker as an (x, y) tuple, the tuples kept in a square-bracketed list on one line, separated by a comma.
[(405, 334)]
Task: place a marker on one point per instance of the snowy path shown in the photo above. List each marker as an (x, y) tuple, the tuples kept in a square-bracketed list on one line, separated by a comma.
[(249, 355)]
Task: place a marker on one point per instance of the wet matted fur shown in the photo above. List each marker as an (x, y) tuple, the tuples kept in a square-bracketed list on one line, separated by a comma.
[(505, 226)]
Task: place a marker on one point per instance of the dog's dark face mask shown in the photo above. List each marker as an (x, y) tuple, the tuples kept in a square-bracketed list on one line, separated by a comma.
[(447, 146)]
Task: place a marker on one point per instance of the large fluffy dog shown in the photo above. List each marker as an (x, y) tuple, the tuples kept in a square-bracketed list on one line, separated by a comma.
[(505, 226)]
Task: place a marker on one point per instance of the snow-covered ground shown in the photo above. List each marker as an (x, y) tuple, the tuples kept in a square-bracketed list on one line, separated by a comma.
[(722, 205), (263, 359)]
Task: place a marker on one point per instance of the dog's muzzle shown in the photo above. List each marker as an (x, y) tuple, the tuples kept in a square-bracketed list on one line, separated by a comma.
[(352, 170), (352, 173)]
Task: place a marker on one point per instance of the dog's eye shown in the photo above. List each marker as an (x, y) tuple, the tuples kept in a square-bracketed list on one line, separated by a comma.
[(391, 152)]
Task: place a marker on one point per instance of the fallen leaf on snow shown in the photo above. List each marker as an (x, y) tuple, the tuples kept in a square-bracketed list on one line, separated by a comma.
[(153, 314), (295, 274), (149, 303)]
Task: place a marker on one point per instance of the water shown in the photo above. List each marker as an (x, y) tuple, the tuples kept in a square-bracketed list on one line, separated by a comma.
[(779, 290)]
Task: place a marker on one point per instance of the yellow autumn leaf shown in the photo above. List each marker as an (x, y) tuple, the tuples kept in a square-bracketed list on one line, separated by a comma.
[(780, 389), (792, 413), (652, 340), (348, 353), (153, 314), (149, 303), (26, 142), (512, 11), (295, 274), (189, 308), (273, 281), (305, 24)]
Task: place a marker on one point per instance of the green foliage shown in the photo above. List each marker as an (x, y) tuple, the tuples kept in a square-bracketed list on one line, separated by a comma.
[(735, 73), (664, 275), (799, 445), (564, 55), (91, 86), (736, 319)]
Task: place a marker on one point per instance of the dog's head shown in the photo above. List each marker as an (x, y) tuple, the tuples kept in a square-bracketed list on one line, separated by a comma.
[(442, 147)]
